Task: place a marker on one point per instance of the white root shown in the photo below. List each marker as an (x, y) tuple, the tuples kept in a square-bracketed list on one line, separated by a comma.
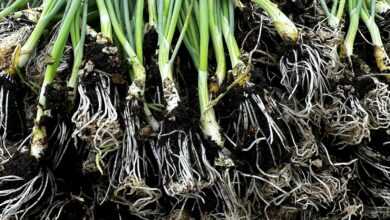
[(304, 75), (18, 201), (255, 124), (377, 105), (4, 152), (346, 121), (98, 125), (183, 164), (131, 167)]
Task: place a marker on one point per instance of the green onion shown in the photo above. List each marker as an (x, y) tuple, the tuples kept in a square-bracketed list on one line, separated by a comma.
[(197, 42), (138, 74), (39, 135), (208, 120), (283, 25), (167, 20), (354, 8), (105, 23), (238, 66), (215, 23), (78, 40), (12, 8), (368, 17), (134, 56), (336, 13), (50, 9)]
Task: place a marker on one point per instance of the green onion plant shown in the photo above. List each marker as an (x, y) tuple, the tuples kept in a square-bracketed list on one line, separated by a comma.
[(167, 20), (368, 14), (197, 39), (335, 13), (354, 9), (50, 9), (10, 8), (283, 25), (39, 141)]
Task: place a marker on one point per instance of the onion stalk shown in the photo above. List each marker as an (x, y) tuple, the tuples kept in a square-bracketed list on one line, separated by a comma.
[(138, 75), (39, 141), (197, 43), (354, 8), (336, 13), (368, 16), (105, 23), (283, 25), (168, 17), (239, 68), (50, 9), (78, 40), (12, 8), (152, 12), (215, 23)]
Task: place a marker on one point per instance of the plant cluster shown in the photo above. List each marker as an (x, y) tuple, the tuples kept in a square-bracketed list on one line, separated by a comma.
[(194, 109)]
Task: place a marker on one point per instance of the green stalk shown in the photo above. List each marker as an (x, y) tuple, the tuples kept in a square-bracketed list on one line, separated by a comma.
[(341, 9), (139, 28), (354, 8), (191, 39), (238, 65), (283, 25), (78, 40), (127, 22), (381, 57), (50, 9), (216, 36), (208, 120), (12, 8), (334, 6), (167, 24), (39, 135), (373, 8), (325, 7), (335, 15), (138, 74), (152, 11), (105, 23)]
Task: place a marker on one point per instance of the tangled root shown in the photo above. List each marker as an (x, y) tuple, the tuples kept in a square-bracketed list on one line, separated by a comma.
[(182, 162), (96, 119), (131, 167), (377, 105), (18, 202), (254, 123), (305, 70), (346, 121)]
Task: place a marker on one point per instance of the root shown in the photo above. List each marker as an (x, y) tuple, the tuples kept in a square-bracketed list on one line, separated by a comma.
[(230, 204), (20, 201), (304, 76), (182, 164), (347, 122), (255, 123), (377, 105), (96, 119), (62, 139), (4, 152), (131, 167)]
